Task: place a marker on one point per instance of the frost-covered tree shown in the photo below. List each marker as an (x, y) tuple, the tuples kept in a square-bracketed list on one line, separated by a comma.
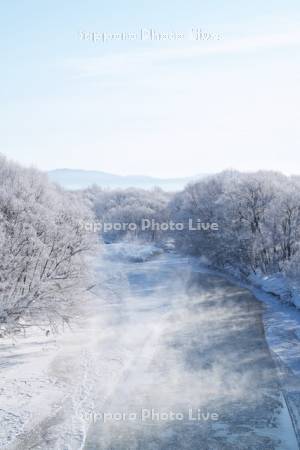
[(42, 245), (258, 216), (129, 206)]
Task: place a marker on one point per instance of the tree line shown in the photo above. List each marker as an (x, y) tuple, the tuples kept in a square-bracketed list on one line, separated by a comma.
[(44, 248), (258, 217)]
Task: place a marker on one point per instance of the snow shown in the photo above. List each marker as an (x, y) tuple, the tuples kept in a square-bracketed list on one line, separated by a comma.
[(279, 285), (25, 383)]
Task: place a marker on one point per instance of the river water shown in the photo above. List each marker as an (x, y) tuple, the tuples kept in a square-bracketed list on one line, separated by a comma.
[(195, 371)]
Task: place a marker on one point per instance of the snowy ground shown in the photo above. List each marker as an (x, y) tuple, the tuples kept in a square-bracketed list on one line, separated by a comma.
[(156, 335)]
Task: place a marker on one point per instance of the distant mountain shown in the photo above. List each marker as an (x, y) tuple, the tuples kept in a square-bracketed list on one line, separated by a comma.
[(80, 179)]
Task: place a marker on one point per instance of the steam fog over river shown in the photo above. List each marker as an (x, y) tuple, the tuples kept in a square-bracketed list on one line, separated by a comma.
[(175, 359), (189, 344)]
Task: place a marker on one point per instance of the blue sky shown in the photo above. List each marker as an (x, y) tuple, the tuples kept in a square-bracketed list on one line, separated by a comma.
[(151, 107)]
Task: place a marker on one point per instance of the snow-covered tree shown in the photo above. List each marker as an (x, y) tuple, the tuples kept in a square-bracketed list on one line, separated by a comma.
[(41, 246)]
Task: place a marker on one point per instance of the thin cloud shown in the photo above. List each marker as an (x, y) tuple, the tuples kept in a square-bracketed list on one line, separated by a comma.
[(116, 64)]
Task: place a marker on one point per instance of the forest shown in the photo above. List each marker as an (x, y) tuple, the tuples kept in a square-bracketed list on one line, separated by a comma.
[(44, 249)]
